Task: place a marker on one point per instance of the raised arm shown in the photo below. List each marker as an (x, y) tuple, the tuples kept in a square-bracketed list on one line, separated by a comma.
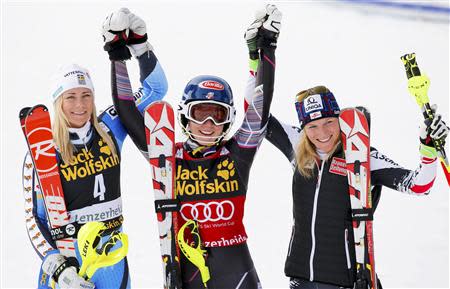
[(284, 137), (419, 181), (132, 37), (261, 39)]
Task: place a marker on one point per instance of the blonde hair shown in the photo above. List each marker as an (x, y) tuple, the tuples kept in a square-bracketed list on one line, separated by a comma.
[(61, 132), (306, 154)]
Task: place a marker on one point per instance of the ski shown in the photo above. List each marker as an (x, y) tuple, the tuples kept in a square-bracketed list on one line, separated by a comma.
[(418, 85), (36, 126), (160, 134), (356, 143)]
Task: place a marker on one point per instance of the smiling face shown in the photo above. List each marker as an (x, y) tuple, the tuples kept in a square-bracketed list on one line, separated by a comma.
[(77, 105), (324, 133), (206, 133)]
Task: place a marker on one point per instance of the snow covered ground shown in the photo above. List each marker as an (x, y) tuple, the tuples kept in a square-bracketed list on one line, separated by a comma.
[(356, 55)]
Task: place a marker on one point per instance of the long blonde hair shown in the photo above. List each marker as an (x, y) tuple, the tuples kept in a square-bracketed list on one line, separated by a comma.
[(61, 132), (306, 154)]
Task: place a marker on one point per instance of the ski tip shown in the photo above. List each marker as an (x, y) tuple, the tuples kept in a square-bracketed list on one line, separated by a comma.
[(23, 112), (38, 107)]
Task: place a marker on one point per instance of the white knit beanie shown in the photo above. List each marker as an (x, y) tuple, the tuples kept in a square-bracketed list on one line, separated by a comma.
[(68, 77)]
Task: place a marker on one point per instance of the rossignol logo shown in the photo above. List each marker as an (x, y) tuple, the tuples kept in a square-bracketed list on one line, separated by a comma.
[(84, 163), (44, 150), (211, 84), (197, 182), (312, 103)]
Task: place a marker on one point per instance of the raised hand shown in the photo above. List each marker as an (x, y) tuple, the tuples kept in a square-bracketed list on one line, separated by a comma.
[(115, 30), (435, 129), (271, 27)]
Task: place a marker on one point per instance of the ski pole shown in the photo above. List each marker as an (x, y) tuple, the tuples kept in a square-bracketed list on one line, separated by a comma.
[(194, 254), (418, 85)]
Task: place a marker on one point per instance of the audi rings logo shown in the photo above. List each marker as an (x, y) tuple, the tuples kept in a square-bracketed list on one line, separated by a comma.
[(204, 212)]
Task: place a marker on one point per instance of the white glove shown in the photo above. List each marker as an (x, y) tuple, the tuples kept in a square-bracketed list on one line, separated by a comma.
[(137, 38), (251, 34), (273, 22), (70, 279), (114, 23), (67, 277), (268, 34)]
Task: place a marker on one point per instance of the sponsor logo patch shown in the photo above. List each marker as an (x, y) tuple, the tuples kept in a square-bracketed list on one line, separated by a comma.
[(197, 180), (211, 84), (315, 115), (81, 79), (112, 112), (338, 167), (313, 103), (84, 163)]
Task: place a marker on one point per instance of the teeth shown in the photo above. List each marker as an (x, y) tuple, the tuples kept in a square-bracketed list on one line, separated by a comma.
[(325, 140), (207, 132)]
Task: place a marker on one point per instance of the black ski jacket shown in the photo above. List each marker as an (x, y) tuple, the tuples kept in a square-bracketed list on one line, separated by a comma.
[(321, 247)]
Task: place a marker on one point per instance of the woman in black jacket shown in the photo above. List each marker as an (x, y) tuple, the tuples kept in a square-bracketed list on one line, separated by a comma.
[(321, 250)]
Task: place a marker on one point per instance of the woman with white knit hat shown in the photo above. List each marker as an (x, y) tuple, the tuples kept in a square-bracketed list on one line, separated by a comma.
[(88, 153)]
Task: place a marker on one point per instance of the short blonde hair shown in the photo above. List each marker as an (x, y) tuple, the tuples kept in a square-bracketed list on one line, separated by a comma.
[(61, 131), (306, 154)]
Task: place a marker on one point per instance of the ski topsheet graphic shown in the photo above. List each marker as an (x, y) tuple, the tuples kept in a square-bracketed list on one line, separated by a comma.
[(356, 142), (159, 123), (36, 127)]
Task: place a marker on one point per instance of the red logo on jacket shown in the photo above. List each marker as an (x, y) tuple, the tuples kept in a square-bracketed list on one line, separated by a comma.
[(338, 166)]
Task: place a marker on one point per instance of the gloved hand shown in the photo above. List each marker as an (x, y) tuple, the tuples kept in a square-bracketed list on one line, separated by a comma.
[(64, 272), (137, 38), (251, 34), (434, 129), (271, 27), (115, 34)]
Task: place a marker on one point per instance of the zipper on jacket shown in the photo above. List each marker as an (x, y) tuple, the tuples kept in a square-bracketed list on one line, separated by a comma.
[(313, 223), (292, 239), (347, 254)]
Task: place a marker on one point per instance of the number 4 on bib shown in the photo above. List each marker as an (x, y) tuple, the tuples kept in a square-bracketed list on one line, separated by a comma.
[(160, 133), (355, 139)]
